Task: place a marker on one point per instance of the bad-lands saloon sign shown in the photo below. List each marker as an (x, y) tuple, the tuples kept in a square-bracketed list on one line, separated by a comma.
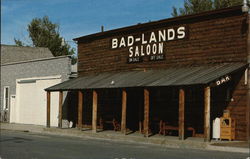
[(149, 45)]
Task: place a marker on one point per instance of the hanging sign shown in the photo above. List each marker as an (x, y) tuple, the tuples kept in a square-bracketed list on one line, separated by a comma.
[(148, 44)]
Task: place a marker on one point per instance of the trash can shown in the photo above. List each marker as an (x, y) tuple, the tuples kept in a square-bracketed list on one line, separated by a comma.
[(216, 128)]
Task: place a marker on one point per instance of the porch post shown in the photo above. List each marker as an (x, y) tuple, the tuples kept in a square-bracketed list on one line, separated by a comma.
[(181, 113), (94, 113), (124, 110), (80, 103), (48, 109), (140, 118), (207, 114), (146, 113), (248, 103), (60, 109), (248, 85)]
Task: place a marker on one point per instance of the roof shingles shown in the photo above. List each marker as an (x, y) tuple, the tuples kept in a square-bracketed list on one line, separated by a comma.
[(13, 54)]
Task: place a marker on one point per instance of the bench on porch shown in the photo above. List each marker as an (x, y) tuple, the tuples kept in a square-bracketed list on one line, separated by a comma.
[(164, 128), (153, 126), (116, 125), (100, 126)]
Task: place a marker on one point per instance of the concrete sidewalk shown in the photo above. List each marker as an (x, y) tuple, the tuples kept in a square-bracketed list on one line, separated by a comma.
[(165, 141)]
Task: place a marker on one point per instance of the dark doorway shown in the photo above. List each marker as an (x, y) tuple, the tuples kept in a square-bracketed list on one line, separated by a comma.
[(164, 109), (109, 108), (194, 111), (135, 113)]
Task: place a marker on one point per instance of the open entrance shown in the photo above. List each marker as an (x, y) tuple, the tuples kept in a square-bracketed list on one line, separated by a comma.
[(109, 109), (87, 109), (164, 110), (135, 103), (194, 111), (69, 109)]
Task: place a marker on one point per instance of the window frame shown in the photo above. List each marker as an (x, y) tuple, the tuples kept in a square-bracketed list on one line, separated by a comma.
[(6, 107)]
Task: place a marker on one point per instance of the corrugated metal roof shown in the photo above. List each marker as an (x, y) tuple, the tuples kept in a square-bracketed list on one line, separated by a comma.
[(150, 78)]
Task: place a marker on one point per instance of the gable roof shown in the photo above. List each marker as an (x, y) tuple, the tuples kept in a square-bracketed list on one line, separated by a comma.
[(12, 54)]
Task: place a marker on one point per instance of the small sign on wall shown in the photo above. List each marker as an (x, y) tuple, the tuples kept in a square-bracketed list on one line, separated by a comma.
[(222, 80)]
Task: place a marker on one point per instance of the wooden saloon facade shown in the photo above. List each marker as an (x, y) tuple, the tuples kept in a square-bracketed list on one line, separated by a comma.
[(172, 76)]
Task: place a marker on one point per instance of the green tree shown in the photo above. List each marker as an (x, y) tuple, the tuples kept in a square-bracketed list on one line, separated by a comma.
[(226, 3), (197, 6), (44, 33), (18, 42)]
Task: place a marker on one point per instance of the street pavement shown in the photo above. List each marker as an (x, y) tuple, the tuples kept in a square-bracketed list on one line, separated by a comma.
[(26, 145)]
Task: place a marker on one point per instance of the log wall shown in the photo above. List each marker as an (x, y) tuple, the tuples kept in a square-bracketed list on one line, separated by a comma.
[(210, 40)]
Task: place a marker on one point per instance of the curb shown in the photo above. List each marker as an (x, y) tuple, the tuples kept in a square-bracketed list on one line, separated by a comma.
[(134, 139), (228, 149)]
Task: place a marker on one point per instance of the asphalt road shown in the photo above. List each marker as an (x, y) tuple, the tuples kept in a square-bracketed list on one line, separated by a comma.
[(24, 145)]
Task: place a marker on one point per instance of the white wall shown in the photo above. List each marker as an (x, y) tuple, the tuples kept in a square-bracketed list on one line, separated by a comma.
[(30, 107), (12, 104)]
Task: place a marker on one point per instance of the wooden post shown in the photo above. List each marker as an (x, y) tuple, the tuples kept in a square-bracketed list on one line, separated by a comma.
[(207, 114), (94, 114), (248, 86), (140, 117), (140, 127), (80, 103), (146, 113), (48, 109), (248, 103), (248, 116), (181, 113), (60, 109), (124, 110)]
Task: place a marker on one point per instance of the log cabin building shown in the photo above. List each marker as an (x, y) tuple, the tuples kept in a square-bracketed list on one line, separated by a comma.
[(178, 73)]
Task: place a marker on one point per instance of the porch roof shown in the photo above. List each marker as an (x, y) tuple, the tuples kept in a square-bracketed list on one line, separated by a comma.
[(179, 76)]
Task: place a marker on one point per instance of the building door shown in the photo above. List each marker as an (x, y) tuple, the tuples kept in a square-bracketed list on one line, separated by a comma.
[(31, 101), (12, 107)]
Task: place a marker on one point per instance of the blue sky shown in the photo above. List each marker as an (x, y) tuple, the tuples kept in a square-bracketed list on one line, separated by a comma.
[(79, 17)]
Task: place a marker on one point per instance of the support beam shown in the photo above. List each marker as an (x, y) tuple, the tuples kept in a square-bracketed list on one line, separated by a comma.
[(124, 111), (248, 103), (248, 85), (60, 109), (48, 109), (140, 117), (181, 114), (146, 113), (94, 113), (80, 105), (207, 114)]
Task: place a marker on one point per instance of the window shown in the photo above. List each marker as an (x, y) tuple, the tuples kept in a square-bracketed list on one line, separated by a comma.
[(6, 96)]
